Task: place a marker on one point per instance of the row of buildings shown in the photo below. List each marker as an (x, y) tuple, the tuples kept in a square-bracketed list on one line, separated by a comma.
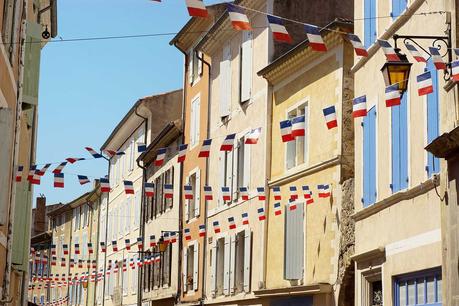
[(384, 233)]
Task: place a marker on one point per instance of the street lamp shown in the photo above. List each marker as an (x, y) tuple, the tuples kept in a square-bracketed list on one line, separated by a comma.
[(397, 72)]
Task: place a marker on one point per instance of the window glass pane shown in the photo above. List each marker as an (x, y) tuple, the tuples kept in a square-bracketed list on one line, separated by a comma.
[(420, 287), (402, 295), (430, 290), (411, 292)]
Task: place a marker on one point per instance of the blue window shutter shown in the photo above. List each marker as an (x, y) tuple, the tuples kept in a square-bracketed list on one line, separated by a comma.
[(398, 7), (395, 141), (369, 158), (433, 163), (369, 22), (404, 142)]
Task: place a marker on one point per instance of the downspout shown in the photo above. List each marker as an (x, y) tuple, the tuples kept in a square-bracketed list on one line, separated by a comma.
[(207, 182), (142, 212), (180, 250), (90, 239), (106, 237), (5, 298)]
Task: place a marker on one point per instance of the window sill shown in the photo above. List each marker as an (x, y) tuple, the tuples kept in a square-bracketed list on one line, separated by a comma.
[(395, 198)]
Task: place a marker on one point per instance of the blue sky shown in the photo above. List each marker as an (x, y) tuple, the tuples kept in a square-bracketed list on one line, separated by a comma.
[(86, 87)]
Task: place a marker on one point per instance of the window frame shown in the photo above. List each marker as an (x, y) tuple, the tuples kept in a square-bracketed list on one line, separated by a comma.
[(303, 105)]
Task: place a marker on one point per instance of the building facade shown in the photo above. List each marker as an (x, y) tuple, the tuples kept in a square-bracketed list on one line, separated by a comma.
[(398, 249)]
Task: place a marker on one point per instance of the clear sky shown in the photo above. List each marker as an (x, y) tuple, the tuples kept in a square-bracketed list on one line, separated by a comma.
[(86, 87)]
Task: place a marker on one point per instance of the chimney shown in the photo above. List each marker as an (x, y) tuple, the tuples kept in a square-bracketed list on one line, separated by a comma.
[(39, 224)]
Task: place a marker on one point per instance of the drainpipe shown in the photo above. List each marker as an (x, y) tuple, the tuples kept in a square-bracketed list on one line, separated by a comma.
[(5, 298), (207, 181), (142, 204), (106, 236)]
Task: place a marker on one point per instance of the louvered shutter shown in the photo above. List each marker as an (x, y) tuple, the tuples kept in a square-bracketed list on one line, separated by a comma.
[(184, 268), (6, 128), (226, 268), (225, 82), (190, 67), (294, 243), (200, 55), (229, 170), (246, 66), (222, 175), (232, 275), (213, 269), (197, 199), (187, 212), (247, 258), (32, 54), (247, 164), (196, 266)]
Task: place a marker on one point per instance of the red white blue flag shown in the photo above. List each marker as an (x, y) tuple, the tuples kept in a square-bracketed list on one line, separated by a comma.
[(359, 107), (19, 171), (104, 185), (244, 191), (187, 234), (111, 153), (196, 8), (261, 193), (239, 19), (65, 249), (77, 248), (228, 143), (202, 230), (149, 189), (128, 187), (59, 168), (261, 214), (161, 155), (245, 218), (141, 147), (298, 126), (216, 226), (277, 209), (389, 52), (127, 244), (140, 243), (292, 205), (83, 179), (277, 193), (315, 39), (307, 194), (324, 190), (392, 95), (73, 160), (278, 29), (437, 59), (208, 196), (188, 192), (415, 53), (286, 130), (226, 194), (90, 248), (205, 148), (43, 170), (231, 223), (293, 193), (103, 247), (168, 191), (330, 117), (115, 246), (182, 153), (253, 136), (455, 70), (152, 241), (357, 44), (93, 152), (59, 180), (425, 85)]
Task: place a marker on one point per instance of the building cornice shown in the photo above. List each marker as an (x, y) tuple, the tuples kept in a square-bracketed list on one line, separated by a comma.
[(295, 290)]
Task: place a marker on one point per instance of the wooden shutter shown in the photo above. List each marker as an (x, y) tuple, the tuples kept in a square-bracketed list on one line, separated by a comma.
[(226, 268), (294, 243), (187, 212), (213, 269), (200, 55), (398, 7), (247, 258), (225, 82), (197, 119), (6, 176), (232, 275), (229, 170), (247, 164), (222, 175), (184, 268), (192, 123), (433, 163), (235, 169), (190, 66), (32, 54), (400, 145), (246, 66), (197, 208), (369, 22), (369, 157), (196, 266)]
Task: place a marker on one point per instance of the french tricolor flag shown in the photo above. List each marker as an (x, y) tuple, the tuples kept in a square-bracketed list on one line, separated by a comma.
[(188, 192), (168, 191), (202, 230), (149, 189), (298, 126), (65, 249), (73, 160), (77, 249), (293, 193), (231, 223), (59, 180), (104, 185), (244, 191), (437, 59), (43, 170), (31, 174), (196, 8), (111, 153), (90, 248), (357, 44), (19, 171), (455, 70), (359, 107), (277, 209), (208, 196), (173, 237), (115, 246), (127, 244), (140, 243), (83, 179), (277, 193), (253, 136), (187, 234), (278, 29), (415, 53), (161, 155), (205, 148), (315, 39), (307, 194), (261, 214), (261, 193), (324, 191), (141, 147), (245, 218), (228, 143), (152, 241), (53, 249), (330, 117), (59, 168), (93, 152), (182, 153), (292, 205), (238, 18), (392, 95), (226, 195), (216, 226), (128, 187), (425, 85), (390, 53), (286, 130), (103, 247)]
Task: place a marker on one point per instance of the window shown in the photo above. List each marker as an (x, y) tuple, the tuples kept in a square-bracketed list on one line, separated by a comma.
[(294, 243), (219, 253), (297, 149), (166, 266), (78, 218), (225, 82), (190, 267), (400, 145), (160, 204), (372, 290), (370, 22), (422, 288), (245, 67), (133, 277), (433, 163), (398, 7), (194, 66), (239, 264), (195, 121), (192, 206), (369, 157), (125, 277)]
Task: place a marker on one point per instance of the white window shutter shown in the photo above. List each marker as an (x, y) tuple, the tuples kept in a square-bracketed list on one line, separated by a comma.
[(196, 266), (190, 66), (222, 180), (198, 194), (232, 256), (247, 257), (197, 124), (225, 82), (226, 268), (200, 62), (229, 169), (187, 213), (185, 265), (246, 66), (213, 269), (234, 176), (247, 164), (192, 124)]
